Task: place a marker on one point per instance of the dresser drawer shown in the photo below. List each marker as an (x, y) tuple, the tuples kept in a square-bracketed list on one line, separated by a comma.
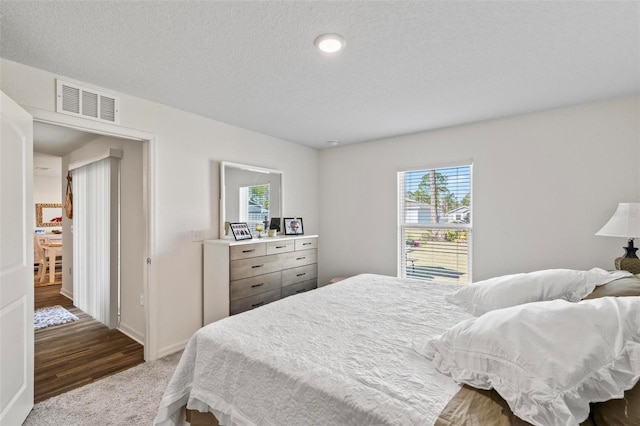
[(252, 302), (241, 275), (298, 258), (245, 251), (274, 247), (299, 288), (299, 274), (245, 268), (255, 285), (306, 243)]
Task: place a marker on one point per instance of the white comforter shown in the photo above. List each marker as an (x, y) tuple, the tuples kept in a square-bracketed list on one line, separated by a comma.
[(340, 355)]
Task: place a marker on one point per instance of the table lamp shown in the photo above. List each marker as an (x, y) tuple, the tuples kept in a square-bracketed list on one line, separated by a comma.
[(625, 222)]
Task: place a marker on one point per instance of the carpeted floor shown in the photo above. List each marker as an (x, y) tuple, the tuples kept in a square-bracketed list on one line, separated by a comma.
[(127, 398)]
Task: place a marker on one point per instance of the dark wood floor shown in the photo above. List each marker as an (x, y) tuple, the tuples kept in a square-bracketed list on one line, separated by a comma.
[(71, 355)]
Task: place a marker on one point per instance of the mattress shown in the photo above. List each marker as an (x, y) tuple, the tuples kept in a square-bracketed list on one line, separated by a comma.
[(339, 355)]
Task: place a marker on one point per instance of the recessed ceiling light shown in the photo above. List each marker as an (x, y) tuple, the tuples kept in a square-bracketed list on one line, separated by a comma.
[(333, 142), (330, 43)]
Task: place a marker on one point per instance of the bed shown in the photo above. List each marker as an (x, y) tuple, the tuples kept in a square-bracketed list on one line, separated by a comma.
[(352, 353)]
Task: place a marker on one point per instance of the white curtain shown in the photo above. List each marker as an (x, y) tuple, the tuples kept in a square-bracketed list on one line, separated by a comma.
[(95, 240)]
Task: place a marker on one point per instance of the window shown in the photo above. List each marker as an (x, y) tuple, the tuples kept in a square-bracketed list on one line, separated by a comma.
[(254, 204), (434, 224)]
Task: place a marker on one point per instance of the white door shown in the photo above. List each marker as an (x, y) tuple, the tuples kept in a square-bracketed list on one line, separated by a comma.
[(16, 262)]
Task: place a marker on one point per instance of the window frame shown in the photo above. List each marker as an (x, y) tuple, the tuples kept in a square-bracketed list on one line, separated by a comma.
[(244, 204), (402, 225)]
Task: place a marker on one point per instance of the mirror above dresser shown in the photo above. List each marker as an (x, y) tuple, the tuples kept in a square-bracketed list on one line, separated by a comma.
[(248, 194)]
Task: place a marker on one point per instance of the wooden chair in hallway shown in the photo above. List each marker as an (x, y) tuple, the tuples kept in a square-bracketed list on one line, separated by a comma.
[(43, 260)]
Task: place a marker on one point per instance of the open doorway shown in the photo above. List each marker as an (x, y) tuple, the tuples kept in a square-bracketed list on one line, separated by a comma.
[(47, 199), (85, 342)]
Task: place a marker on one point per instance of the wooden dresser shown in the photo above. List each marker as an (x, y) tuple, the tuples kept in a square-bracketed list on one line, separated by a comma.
[(242, 275)]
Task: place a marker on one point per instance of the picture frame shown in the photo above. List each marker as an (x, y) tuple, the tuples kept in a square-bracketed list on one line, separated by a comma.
[(293, 226), (240, 231), (48, 214), (275, 224)]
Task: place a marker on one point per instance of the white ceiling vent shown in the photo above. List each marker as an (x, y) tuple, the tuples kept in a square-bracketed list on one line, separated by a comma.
[(88, 103)]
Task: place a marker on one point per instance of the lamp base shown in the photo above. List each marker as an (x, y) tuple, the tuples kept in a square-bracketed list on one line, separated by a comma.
[(630, 250), (628, 264)]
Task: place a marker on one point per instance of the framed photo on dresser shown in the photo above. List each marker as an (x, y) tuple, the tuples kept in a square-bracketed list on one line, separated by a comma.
[(275, 224), (240, 231), (293, 226)]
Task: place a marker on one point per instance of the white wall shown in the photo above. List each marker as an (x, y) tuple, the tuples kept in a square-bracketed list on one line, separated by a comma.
[(46, 189), (543, 184), (132, 234), (186, 151)]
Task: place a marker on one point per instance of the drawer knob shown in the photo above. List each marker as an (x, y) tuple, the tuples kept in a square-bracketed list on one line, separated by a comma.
[(306, 244), (258, 266), (279, 247), (299, 275), (257, 285), (248, 251), (301, 258), (255, 305)]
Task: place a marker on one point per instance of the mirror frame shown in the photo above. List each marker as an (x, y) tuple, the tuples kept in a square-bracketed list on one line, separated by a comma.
[(223, 165), (39, 213)]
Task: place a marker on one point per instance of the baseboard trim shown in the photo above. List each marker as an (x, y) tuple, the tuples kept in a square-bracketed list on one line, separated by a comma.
[(134, 334), (168, 350), (66, 293)]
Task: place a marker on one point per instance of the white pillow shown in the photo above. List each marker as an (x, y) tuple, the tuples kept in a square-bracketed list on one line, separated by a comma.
[(548, 360), (550, 284)]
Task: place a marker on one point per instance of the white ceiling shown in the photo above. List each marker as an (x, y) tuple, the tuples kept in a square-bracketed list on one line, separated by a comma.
[(51, 143), (408, 66), (57, 140), (47, 165)]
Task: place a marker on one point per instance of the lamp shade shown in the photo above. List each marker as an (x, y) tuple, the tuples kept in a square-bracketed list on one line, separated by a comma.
[(625, 222)]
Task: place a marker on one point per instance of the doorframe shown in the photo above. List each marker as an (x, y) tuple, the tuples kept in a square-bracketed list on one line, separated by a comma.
[(149, 196)]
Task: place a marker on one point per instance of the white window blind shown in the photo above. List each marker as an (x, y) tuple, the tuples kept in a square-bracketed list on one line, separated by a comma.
[(435, 224), (254, 204), (96, 239), (243, 215)]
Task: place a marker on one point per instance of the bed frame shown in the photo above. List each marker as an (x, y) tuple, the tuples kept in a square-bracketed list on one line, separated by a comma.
[(196, 418)]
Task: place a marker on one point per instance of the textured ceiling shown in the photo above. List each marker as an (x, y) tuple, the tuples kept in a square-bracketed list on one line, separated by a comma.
[(407, 66)]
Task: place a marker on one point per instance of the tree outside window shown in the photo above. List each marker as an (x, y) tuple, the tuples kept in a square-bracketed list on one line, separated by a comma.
[(435, 223)]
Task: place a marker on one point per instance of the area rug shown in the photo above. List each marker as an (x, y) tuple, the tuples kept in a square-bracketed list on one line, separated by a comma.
[(128, 398), (53, 315)]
